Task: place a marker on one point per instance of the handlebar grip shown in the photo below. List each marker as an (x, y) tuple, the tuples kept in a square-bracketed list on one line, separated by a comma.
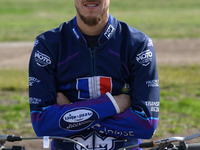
[(194, 146), (15, 148), (12, 138), (147, 144)]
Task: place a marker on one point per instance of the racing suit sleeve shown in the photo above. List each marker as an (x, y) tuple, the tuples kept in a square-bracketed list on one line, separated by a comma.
[(141, 119), (47, 117)]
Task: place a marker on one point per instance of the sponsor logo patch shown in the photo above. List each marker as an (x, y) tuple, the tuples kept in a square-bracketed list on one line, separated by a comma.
[(144, 58), (126, 89), (33, 80), (34, 101), (108, 131), (154, 106), (152, 83), (150, 43), (78, 119), (41, 59), (109, 31)]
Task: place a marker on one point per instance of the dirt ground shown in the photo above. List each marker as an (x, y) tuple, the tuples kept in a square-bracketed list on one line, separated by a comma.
[(168, 52)]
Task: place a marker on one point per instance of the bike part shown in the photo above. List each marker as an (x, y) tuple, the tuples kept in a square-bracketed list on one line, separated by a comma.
[(193, 146), (15, 148), (12, 138), (164, 143)]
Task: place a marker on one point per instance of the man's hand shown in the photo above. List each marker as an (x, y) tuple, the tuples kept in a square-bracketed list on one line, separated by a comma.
[(123, 101), (62, 99)]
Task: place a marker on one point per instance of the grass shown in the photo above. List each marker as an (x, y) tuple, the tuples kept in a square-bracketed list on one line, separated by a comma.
[(23, 20), (161, 19), (180, 99), (14, 108), (13, 80), (179, 96), (15, 114)]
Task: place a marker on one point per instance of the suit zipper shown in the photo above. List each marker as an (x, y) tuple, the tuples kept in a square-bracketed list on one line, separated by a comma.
[(92, 53), (94, 91)]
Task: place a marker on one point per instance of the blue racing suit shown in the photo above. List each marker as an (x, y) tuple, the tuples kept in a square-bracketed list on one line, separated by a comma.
[(124, 62)]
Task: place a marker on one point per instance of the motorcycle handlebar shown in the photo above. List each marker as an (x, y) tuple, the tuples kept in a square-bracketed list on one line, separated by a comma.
[(194, 146)]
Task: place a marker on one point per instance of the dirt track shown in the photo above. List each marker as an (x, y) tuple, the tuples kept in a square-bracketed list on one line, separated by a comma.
[(178, 52), (173, 52)]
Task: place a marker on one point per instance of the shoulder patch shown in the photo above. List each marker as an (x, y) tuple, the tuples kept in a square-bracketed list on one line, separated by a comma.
[(145, 57), (41, 59)]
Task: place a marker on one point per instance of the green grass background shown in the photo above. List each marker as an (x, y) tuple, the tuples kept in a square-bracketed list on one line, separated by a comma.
[(23, 20)]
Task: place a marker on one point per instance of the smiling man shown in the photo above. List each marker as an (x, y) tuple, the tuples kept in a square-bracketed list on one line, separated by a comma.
[(92, 13), (92, 16), (95, 81)]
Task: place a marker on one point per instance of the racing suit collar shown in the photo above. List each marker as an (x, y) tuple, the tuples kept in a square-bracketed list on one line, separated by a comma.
[(105, 35)]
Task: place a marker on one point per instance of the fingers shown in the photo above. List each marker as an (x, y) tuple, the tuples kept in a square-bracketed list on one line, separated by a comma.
[(62, 99), (123, 101)]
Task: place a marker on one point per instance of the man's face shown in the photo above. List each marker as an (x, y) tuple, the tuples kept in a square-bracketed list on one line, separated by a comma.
[(91, 12)]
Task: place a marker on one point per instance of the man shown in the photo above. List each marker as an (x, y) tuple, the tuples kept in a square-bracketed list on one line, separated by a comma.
[(94, 79)]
